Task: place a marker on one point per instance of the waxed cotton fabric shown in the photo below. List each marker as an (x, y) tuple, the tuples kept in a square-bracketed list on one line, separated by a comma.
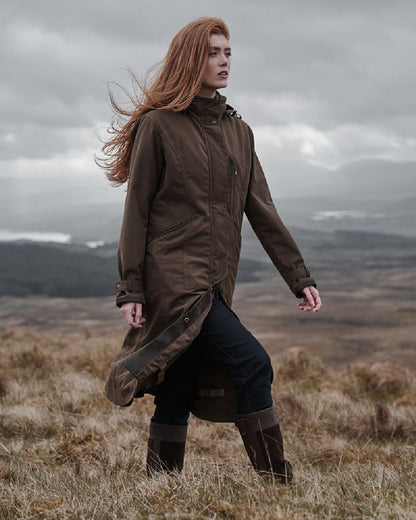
[(193, 175)]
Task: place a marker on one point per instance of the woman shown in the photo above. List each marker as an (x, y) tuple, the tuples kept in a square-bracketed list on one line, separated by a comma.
[(192, 173)]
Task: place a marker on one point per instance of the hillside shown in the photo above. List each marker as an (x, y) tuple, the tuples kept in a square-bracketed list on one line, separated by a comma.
[(66, 452), (344, 389)]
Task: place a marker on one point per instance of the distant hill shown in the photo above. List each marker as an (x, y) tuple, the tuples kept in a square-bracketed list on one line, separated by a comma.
[(54, 270), (73, 270), (383, 194)]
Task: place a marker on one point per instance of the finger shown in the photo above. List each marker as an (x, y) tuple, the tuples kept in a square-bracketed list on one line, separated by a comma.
[(308, 295), (304, 306), (137, 324), (139, 319), (137, 309), (132, 322), (130, 318), (317, 299), (312, 301), (318, 304), (137, 315), (128, 309)]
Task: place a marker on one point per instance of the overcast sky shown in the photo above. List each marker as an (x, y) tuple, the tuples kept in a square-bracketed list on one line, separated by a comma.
[(325, 82)]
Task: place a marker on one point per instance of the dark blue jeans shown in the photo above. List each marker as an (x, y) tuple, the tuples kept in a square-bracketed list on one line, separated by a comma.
[(225, 340)]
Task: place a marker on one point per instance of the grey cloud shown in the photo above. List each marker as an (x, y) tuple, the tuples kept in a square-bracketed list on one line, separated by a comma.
[(355, 61), (323, 64)]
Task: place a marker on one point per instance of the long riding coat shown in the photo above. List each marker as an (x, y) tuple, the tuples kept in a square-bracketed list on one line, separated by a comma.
[(193, 174)]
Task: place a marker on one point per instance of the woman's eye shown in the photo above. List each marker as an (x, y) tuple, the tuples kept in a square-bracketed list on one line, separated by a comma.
[(215, 53)]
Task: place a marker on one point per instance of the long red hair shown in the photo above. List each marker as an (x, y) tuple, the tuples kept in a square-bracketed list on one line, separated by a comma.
[(175, 85)]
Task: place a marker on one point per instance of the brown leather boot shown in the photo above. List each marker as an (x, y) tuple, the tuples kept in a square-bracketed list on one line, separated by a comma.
[(263, 442), (165, 448)]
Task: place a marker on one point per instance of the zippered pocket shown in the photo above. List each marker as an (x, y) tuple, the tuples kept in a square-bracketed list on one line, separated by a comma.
[(172, 228)]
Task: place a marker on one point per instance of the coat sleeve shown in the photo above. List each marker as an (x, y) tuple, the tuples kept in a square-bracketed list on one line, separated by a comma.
[(146, 165), (272, 233)]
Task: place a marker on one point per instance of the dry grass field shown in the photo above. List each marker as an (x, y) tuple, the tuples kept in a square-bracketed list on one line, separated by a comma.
[(345, 391)]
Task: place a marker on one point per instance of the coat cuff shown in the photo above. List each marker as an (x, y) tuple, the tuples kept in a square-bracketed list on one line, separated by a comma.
[(128, 298), (129, 290), (307, 283), (298, 279)]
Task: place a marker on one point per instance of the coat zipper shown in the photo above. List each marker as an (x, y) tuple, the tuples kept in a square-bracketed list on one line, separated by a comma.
[(232, 182), (209, 199), (172, 228), (232, 160)]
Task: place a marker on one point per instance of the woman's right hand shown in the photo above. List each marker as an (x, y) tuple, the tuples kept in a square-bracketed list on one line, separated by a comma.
[(133, 313)]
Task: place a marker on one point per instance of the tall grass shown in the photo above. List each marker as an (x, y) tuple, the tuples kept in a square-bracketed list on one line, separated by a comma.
[(66, 452)]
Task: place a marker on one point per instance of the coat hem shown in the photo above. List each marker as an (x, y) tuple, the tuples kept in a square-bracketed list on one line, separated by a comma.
[(145, 362)]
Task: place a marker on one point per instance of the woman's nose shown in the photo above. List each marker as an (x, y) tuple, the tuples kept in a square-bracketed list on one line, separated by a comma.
[(225, 59)]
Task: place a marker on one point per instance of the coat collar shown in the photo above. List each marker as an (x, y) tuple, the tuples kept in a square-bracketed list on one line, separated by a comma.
[(210, 108)]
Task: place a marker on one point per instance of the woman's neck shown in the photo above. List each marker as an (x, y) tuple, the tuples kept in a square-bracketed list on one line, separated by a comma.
[(206, 92)]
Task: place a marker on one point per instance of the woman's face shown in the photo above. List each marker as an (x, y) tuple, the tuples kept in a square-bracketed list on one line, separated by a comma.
[(218, 66)]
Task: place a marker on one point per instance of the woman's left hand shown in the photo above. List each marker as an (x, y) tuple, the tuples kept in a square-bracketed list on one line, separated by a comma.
[(311, 300)]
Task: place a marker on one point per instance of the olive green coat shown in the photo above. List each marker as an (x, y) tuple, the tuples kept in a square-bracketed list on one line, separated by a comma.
[(193, 175)]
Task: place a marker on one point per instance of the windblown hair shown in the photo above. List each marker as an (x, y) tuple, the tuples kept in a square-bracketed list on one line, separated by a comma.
[(176, 83)]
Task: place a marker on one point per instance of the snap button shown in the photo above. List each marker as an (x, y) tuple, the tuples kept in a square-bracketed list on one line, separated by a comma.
[(186, 319), (214, 122)]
